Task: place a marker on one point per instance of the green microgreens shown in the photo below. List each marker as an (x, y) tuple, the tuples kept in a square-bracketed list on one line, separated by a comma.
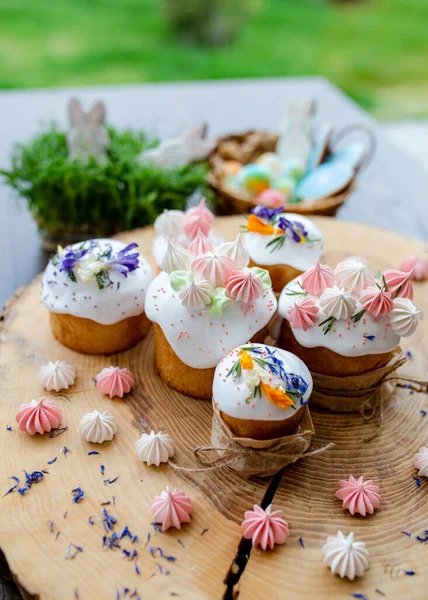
[(277, 243), (296, 292), (103, 279), (236, 369), (72, 276), (358, 316), (327, 324)]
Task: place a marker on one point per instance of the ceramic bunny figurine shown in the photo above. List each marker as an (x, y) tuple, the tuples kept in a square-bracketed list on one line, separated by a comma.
[(296, 131), (88, 134), (179, 151)]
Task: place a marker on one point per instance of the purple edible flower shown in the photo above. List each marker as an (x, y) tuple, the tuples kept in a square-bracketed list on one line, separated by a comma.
[(263, 212), (70, 258), (294, 229), (124, 262)]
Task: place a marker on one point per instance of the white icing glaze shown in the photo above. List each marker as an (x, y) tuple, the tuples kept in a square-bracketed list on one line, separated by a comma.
[(98, 427), (155, 448), (230, 393), (57, 376), (298, 256), (123, 299), (345, 556), (345, 338), (198, 338)]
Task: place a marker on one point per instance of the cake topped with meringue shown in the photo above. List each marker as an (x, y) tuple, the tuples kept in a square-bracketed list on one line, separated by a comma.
[(191, 229), (207, 304), (349, 309)]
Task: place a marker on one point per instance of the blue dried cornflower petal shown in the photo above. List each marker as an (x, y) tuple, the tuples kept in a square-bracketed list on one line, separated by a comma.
[(51, 462), (78, 495), (409, 573), (16, 479), (8, 427), (92, 453), (102, 469), (137, 570), (301, 542)]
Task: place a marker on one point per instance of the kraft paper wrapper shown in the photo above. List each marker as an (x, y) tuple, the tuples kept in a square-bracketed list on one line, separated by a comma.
[(357, 393), (260, 457)]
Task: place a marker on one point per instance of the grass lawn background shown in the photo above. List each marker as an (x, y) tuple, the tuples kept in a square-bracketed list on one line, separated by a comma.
[(375, 50)]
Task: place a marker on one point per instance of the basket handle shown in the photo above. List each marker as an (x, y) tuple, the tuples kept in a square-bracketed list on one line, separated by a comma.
[(368, 155)]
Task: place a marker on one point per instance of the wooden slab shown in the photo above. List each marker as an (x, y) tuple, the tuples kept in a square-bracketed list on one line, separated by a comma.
[(36, 554)]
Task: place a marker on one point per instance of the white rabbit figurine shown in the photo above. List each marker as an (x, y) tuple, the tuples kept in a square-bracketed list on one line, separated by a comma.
[(88, 135)]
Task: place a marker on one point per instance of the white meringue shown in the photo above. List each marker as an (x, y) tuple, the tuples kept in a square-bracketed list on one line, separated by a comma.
[(196, 294), (353, 275), (170, 223), (155, 448), (58, 375), (421, 461), (98, 427), (346, 557), (337, 302), (175, 259), (404, 317), (236, 251)]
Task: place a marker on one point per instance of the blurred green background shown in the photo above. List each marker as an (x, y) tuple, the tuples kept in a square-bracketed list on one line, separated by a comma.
[(375, 50)]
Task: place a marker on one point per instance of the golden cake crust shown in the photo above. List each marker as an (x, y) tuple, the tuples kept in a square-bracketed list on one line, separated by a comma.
[(263, 430)]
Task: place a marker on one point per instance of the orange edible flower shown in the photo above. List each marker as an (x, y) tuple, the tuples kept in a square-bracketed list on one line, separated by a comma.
[(256, 225), (276, 396), (246, 361)]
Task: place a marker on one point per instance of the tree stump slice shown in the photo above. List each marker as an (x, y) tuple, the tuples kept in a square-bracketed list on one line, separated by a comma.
[(382, 451)]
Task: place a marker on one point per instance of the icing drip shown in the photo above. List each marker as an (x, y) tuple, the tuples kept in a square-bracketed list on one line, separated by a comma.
[(114, 381), (213, 267), (353, 275), (244, 286), (201, 244), (57, 376), (155, 448), (196, 294), (97, 427), (318, 278), (265, 527), (38, 416), (404, 317), (399, 283), (172, 509), (359, 496), (345, 556), (170, 223), (176, 258), (337, 303), (302, 314), (198, 217), (376, 302), (235, 251), (421, 461)]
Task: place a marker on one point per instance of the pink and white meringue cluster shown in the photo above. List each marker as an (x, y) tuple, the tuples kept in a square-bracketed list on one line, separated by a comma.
[(213, 276), (352, 288)]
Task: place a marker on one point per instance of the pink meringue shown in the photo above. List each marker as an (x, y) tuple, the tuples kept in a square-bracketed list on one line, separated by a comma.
[(114, 381), (200, 244), (359, 496), (301, 314), (376, 301), (39, 416), (417, 265), (244, 286), (214, 268), (399, 283), (171, 509), (318, 278), (265, 527), (198, 217)]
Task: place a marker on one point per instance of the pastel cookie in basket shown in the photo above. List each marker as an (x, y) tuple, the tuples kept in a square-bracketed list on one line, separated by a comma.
[(285, 244), (261, 391), (95, 292), (192, 228), (202, 307), (347, 321)]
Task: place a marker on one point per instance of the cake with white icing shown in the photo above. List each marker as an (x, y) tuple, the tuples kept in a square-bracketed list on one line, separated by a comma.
[(202, 307), (190, 229), (95, 293), (260, 391), (286, 244), (348, 320)]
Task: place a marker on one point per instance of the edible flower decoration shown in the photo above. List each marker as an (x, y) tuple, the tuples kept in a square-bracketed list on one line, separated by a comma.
[(95, 262), (272, 222), (259, 367)]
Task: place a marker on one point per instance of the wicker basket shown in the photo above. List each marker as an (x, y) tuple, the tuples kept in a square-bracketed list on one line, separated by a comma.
[(246, 148)]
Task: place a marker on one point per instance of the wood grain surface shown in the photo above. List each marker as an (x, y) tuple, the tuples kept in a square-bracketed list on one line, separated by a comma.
[(205, 549)]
